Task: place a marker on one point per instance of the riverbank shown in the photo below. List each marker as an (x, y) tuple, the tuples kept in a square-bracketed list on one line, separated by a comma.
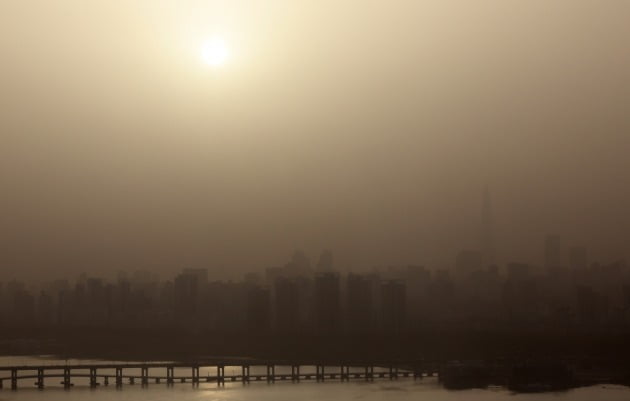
[(175, 344)]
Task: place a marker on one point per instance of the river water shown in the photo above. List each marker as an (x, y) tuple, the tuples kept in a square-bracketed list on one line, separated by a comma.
[(398, 390)]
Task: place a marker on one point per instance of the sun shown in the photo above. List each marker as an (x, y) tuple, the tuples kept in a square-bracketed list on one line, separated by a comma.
[(215, 52)]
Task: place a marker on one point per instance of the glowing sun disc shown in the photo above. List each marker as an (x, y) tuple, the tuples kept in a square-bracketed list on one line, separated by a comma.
[(214, 52)]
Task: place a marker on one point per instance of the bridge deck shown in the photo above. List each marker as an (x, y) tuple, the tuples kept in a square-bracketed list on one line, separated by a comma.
[(118, 373)]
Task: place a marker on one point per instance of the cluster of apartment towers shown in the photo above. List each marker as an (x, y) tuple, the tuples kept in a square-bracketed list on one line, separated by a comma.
[(299, 297)]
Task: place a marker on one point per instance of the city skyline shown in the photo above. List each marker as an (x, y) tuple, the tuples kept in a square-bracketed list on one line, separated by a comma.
[(398, 297)]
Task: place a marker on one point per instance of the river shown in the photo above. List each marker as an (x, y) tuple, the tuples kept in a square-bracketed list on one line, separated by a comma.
[(397, 390)]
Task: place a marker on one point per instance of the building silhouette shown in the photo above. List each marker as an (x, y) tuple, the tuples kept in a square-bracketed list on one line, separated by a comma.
[(327, 302), (487, 230), (187, 290), (258, 309), (287, 304), (360, 302), (394, 305)]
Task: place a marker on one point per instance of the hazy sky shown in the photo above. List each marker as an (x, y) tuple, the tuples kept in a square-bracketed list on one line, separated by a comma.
[(367, 127)]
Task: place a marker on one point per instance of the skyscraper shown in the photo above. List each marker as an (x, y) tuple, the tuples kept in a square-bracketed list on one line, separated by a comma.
[(359, 292), (287, 304), (258, 308), (487, 234), (327, 302), (394, 305)]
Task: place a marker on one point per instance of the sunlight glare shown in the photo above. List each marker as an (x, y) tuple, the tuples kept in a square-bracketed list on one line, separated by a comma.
[(214, 52)]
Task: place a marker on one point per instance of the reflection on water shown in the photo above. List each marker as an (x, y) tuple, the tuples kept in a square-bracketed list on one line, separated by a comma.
[(402, 389)]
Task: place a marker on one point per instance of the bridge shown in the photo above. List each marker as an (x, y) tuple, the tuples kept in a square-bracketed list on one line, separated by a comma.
[(242, 370)]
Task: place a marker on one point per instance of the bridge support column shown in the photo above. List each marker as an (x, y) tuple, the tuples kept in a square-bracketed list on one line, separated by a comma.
[(66, 378), (119, 375), (144, 373), (195, 375), (295, 373), (220, 375), (106, 380), (169, 375), (40, 378), (14, 375), (321, 373), (271, 373), (245, 373), (93, 382)]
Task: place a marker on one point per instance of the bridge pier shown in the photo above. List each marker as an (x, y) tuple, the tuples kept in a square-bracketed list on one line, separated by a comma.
[(169, 375), (345, 373), (14, 374), (369, 373), (295, 372), (144, 373), (66, 378), (220, 375), (320, 373), (245, 373), (40, 378), (106, 380), (271, 373), (119, 378), (195, 375), (93, 381)]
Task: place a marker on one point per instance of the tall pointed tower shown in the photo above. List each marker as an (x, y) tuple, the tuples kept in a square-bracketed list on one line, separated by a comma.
[(487, 230)]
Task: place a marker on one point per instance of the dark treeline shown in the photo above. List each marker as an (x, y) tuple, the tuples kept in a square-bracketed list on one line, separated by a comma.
[(299, 300)]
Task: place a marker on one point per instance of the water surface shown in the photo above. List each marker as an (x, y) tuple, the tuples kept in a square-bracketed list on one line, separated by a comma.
[(397, 390)]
